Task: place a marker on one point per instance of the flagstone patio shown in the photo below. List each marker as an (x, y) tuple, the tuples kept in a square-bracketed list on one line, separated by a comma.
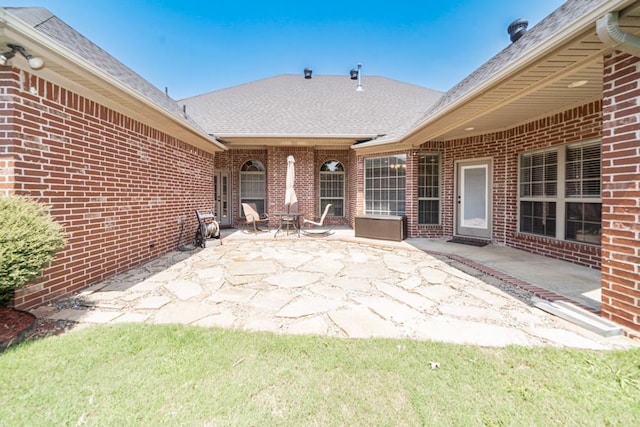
[(349, 289)]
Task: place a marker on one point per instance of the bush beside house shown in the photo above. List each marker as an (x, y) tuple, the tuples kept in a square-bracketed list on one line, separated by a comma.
[(29, 240)]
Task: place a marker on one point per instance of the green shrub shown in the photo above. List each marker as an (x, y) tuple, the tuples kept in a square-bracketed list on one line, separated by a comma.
[(29, 240)]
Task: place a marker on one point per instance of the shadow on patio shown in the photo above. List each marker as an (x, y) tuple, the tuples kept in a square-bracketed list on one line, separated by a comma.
[(340, 286)]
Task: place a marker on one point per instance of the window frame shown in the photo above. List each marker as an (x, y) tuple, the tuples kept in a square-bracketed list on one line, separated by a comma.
[(390, 189), (546, 198), (322, 199), (243, 173), (560, 199), (438, 191)]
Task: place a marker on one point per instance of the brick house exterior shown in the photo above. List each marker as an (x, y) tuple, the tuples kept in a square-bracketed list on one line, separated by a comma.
[(115, 184), (121, 180), (621, 191)]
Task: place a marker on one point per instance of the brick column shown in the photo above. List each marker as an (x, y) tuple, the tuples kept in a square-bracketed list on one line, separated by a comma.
[(621, 190)]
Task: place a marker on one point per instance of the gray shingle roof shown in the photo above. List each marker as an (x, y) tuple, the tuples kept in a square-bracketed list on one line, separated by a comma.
[(322, 106), (50, 25)]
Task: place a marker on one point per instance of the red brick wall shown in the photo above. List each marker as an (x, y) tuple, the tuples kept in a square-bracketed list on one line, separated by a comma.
[(621, 191), (578, 124), (308, 162), (232, 161), (117, 185), (304, 178)]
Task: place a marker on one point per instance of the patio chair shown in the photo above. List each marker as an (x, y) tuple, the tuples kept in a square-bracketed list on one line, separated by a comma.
[(253, 219), (317, 230)]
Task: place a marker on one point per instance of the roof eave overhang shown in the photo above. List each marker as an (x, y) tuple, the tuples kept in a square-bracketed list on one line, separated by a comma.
[(381, 146), (244, 140), (422, 132), (89, 80)]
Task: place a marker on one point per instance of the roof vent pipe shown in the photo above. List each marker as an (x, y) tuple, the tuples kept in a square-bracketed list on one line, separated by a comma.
[(307, 73), (609, 32), (517, 29)]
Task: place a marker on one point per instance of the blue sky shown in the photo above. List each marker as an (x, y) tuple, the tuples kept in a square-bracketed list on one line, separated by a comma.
[(192, 47)]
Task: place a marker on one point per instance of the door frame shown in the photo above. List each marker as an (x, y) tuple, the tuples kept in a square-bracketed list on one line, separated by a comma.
[(223, 216), (485, 233)]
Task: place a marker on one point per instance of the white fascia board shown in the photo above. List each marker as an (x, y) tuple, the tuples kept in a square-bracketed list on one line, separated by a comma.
[(294, 136)]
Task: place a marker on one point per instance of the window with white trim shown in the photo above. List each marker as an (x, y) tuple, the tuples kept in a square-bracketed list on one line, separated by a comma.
[(538, 192), (252, 184), (582, 193), (385, 185), (332, 187), (428, 189), (559, 192)]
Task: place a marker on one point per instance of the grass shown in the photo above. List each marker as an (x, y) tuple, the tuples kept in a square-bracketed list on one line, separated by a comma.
[(175, 375)]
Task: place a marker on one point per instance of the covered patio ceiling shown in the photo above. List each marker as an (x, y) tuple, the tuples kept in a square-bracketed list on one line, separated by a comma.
[(566, 72)]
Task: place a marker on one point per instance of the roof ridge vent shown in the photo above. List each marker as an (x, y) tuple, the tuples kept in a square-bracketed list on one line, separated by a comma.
[(517, 29)]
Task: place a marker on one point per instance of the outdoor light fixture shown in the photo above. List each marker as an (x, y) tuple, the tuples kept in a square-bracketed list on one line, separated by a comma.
[(5, 57), (578, 83), (34, 62)]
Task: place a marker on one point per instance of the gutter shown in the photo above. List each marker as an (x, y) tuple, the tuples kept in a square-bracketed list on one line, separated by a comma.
[(9, 22), (359, 137), (610, 33)]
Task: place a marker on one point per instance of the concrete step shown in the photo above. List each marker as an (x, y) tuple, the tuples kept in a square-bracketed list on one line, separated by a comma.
[(579, 316)]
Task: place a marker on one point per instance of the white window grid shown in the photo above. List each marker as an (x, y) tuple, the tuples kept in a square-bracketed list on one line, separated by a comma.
[(428, 188), (253, 189), (332, 191), (558, 177), (385, 185)]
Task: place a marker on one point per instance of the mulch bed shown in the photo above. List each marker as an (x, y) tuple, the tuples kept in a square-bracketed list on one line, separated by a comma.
[(18, 326)]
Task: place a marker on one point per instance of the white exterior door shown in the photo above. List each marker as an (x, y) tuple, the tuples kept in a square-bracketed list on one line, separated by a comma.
[(473, 198)]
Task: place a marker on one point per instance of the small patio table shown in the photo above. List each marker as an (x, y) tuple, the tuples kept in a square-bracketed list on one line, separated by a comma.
[(287, 218)]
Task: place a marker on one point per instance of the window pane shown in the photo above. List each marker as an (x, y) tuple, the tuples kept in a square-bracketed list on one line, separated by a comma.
[(539, 174), (252, 184), (252, 166), (428, 212), (428, 189), (332, 187), (583, 171), (336, 208), (538, 218), (584, 222), (385, 185)]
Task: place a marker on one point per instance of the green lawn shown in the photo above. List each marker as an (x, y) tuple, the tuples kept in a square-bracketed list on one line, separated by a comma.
[(175, 375)]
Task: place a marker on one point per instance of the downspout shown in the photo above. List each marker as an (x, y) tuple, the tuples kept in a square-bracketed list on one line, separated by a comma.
[(610, 33)]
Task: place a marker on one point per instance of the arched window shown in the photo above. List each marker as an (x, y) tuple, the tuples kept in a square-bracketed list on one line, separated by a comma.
[(252, 184), (332, 187)]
